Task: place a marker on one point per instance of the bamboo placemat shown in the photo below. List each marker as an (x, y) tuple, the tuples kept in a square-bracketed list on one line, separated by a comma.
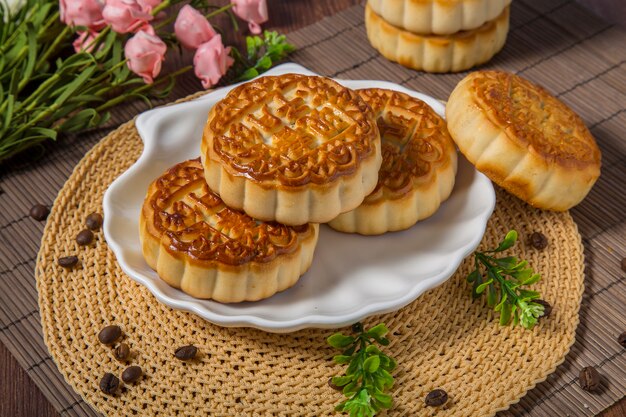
[(555, 43)]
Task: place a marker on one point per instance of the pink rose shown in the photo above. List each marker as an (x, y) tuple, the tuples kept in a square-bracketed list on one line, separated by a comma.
[(85, 41), (211, 61), (191, 28), (86, 13), (145, 52), (125, 16), (252, 11)]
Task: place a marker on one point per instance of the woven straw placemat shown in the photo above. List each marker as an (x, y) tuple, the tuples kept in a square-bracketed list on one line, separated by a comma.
[(442, 340)]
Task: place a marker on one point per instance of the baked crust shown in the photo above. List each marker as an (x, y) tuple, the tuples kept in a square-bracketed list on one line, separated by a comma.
[(437, 53), (199, 245), (418, 170), (438, 17), (523, 139), (292, 148)]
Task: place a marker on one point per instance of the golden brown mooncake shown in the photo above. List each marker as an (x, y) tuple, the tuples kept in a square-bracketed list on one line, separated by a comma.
[(438, 17), (292, 149), (523, 139), (418, 170), (198, 244), (437, 53)]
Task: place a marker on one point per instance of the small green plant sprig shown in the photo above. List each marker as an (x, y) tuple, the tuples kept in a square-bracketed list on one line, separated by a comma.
[(505, 295), (261, 54), (368, 375)]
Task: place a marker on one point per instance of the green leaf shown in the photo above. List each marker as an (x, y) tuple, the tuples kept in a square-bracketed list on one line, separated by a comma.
[(481, 288), (350, 389), (507, 263), (74, 85), (49, 133), (341, 359), (533, 279), (385, 400), (340, 341), (371, 364), (378, 331), (508, 241), (372, 349), (473, 276), (491, 296), (505, 314), (340, 381)]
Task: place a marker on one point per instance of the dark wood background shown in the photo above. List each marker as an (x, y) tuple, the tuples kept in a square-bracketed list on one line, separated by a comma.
[(19, 396)]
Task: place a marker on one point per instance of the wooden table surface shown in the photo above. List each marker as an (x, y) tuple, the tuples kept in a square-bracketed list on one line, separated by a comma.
[(19, 396)]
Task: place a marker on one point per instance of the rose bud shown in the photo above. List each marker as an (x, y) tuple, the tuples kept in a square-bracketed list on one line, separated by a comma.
[(252, 11), (211, 61), (191, 28), (145, 53)]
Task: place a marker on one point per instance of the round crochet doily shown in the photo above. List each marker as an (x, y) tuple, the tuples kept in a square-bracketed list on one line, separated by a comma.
[(441, 340)]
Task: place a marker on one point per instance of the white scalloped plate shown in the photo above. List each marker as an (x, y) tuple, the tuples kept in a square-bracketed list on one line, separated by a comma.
[(352, 276)]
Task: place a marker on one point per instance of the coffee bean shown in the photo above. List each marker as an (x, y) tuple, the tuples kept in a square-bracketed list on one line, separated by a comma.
[(186, 353), (109, 384), (436, 398), (621, 339), (39, 212), (68, 261), (85, 237), (547, 308), (109, 334), (122, 352), (589, 379), (333, 386), (624, 264), (94, 221), (538, 240), (131, 374)]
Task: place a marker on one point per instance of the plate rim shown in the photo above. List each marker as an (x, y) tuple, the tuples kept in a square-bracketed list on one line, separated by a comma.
[(310, 320)]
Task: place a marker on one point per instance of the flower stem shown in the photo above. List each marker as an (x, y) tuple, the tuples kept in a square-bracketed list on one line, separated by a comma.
[(218, 11), (121, 98)]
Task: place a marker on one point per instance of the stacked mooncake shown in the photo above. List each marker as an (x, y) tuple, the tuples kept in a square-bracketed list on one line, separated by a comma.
[(279, 155), (438, 35)]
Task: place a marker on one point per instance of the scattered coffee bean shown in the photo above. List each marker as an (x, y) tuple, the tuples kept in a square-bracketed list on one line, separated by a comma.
[(357, 327), (186, 353), (624, 264), (131, 374), (109, 384), (436, 398), (122, 352), (94, 221), (589, 379), (621, 339), (85, 237), (110, 334), (39, 212), (68, 261), (333, 386), (547, 308), (538, 240)]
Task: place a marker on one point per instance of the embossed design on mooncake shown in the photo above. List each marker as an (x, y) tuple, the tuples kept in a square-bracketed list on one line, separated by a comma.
[(293, 129), (196, 222), (536, 119)]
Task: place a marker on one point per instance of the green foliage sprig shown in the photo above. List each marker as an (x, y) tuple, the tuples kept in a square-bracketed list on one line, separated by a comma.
[(261, 54), (47, 89), (506, 295), (368, 376)]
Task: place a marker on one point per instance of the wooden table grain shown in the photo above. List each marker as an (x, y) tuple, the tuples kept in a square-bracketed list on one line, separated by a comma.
[(19, 396)]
